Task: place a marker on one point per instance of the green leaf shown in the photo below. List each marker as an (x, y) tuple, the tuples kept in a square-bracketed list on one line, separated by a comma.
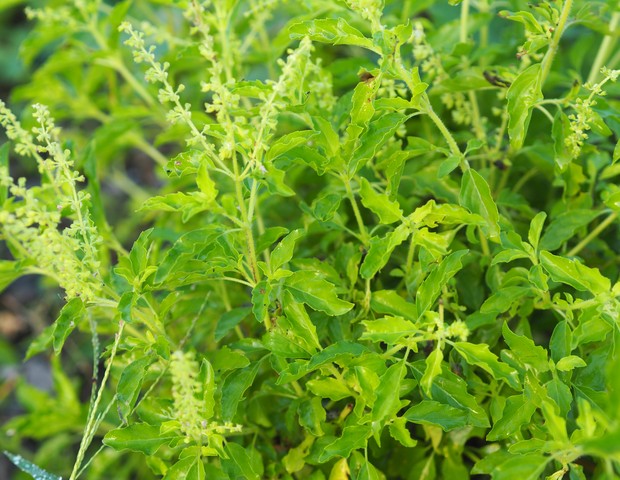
[(596, 123), (451, 389), (398, 431), (509, 255), (502, 300), (432, 370), (130, 383), (430, 412), (569, 363), (574, 273), (309, 288), (188, 204), (283, 252), (480, 356), (260, 300), (330, 136), (437, 279), (269, 237), (139, 437), (387, 403), (388, 329), (362, 111), (187, 468), (564, 227), (230, 320), (390, 302), (561, 394), (274, 181), (335, 32), (312, 415), (224, 359), (288, 142), (125, 306), (28, 467), (381, 249), (184, 249), (206, 376), (247, 465), (517, 412), (561, 340), (41, 343), (387, 210), (283, 345), (328, 388), (448, 165), (342, 351), (235, 386), (525, 350), (504, 466), (295, 459), (536, 225), (368, 471), (326, 205), (616, 154), (522, 96), (353, 437), (206, 184), (476, 197), (560, 131), (526, 18), (311, 157), (69, 317), (299, 321), (378, 133)]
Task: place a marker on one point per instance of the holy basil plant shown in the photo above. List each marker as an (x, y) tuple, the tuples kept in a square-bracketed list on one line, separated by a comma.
[(318, 239)]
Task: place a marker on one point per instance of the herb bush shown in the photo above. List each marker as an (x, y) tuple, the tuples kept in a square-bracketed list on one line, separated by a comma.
[(318, 239)]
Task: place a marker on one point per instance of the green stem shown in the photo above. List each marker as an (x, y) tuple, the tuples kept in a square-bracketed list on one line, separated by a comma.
[(476, 121), (410, 254), (120, 67), (606, 48), (555, 42), (546, 113), (149, 149), (426, 107), (247, 222), (356, 211), (593, 234), (298, 390), (223, 21), (524, 179), (93, 420), (464, 21), (484, 244), (115, 61), (454, 148), (483, 7)]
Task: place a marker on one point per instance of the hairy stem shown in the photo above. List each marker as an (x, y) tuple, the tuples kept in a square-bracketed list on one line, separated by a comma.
[(555, 42)]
